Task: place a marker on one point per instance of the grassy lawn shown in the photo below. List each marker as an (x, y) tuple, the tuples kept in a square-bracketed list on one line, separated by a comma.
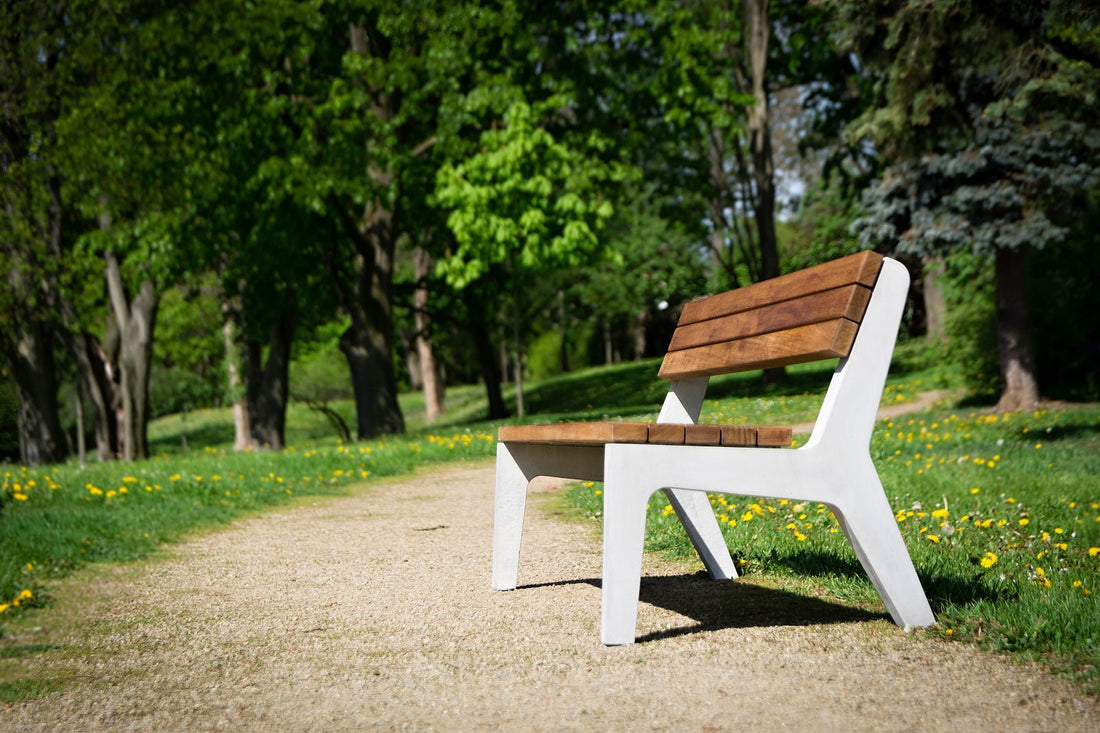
[(1001, 513)]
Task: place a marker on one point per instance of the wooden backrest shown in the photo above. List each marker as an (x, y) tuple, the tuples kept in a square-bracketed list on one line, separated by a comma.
[(807, 315)]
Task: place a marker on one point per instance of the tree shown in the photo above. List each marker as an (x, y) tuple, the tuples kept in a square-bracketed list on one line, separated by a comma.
[(985, 118), (526, 203)]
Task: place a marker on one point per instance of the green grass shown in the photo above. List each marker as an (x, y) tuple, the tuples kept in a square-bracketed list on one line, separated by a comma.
[(56, 519)]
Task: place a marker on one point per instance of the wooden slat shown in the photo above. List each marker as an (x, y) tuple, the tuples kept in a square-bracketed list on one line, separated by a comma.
[(602, 433), (666, 434), (773, 437), (845, 302), (703, 435), (859, 268), (576, 433), (817, 341), (740, 435)]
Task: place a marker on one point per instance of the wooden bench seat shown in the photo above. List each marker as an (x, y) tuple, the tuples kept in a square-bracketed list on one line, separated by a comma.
[(602, 433)]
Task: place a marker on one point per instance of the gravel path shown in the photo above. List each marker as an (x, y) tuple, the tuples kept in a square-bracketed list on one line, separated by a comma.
[(375, 611)]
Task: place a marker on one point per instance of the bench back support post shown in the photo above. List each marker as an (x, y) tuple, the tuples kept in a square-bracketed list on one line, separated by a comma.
[(684, 401), (847, 415)]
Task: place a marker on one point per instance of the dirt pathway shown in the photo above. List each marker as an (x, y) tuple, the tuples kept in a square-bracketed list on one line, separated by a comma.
[(374, 611)]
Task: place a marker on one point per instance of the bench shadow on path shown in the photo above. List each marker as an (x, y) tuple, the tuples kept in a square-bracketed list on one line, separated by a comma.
[(716, 605)]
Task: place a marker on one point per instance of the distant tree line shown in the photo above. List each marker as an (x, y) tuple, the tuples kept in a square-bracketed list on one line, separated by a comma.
[(197, 196)]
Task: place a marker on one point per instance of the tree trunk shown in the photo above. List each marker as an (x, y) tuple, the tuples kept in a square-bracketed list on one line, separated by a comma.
[(136, 321), (429, 369), (935, 303), (758, 128), (268, 382), (368, 342), (373, 382), (517, 352), (757, 125), (41, 439), (242, 431), (366, 291), (478, 329), (93, 368), (1014, 343)]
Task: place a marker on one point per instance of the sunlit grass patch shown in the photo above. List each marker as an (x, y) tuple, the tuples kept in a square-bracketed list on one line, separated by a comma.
[(69, 516)]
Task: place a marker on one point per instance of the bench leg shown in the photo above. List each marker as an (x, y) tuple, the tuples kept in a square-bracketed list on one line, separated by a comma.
[(509, 503), (624, 514), (696, 514), (871, 528)]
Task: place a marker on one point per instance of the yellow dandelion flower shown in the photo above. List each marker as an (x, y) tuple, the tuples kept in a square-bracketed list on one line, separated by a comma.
[(799, 536), (19, 497), (989, 560), (940, 513), (933, 538), (4, 607), (975, 490), (1024, 522), (747, 517), (1094, 551)]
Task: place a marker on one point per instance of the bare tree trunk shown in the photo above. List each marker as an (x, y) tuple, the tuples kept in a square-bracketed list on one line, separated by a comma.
[(429, 369), (757, 125), (935, 303), (268, 382), (478, 328), (517, 353), (136, 321), (1013, 340), (41, 439), (638, 329), (242, 431)]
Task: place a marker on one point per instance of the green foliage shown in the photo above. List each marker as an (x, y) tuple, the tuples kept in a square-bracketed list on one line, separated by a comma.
[(544, 352), (526, 201), (1062, 288), (189, 351), (971, 345), (983, 114)]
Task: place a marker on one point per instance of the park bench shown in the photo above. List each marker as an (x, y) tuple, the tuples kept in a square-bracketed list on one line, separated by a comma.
[(848, 308)]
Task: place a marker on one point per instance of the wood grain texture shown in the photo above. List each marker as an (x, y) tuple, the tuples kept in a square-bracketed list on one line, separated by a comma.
[(848, 302), (602, 433), (861, 268), (825, 340), (576, 433)]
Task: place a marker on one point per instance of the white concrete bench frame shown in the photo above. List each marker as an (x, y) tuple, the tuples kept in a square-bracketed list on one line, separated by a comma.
[(834, 468)]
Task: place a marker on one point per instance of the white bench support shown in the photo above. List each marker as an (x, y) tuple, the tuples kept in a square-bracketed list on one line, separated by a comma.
[(833, 468)]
